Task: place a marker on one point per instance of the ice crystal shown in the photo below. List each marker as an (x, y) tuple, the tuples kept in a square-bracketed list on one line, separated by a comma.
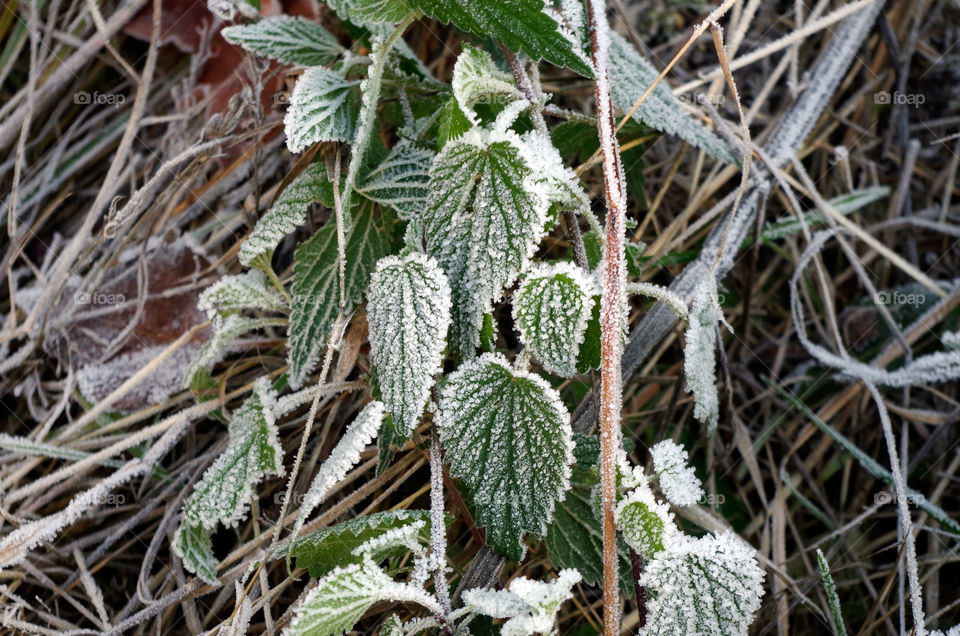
[(678, 482), (507, 436), (709, 586), (699, 353), (645, 523), (344, 595), (342, 458), (287, 213), (482, 223), (291, 40), (249, 290), (323, 107), (551, 310), (476, 79), (530, 606), (401, 180), (409, 313)]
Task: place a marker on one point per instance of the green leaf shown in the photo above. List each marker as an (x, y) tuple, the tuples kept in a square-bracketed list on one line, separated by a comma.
[(316, 287), (482, 223), (831, 589), (575, 540), (589, 356), (401, 180), (193, 545), (507, 437), (379, 11), (222, 496), (249, 290), (530, 606), (288, 212), (225, 331), (476, 79), (631, 75), (323, 107), (709, 586), (645, 523), (332, 547), (521, 25), (343, 596), (453, 123), (408, 310), (551, 310), (291, 40)]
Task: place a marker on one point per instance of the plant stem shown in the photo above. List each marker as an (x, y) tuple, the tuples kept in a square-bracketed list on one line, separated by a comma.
[(611, 310)]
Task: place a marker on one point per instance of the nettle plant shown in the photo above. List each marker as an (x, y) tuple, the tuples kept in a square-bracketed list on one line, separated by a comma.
[(433, 234)]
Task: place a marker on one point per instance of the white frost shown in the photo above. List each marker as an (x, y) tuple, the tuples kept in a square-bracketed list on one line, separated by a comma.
[(678, 482)]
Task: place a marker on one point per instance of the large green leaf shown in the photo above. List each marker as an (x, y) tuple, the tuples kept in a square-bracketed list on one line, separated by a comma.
[(522, 25), (316, 288), (332, 547), (409, 314), (482, 224), (292, 40), (551, 310), (507, 437), (323, 107)]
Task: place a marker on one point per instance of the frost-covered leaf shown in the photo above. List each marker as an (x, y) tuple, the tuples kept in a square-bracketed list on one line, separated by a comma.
[(288, 212), (645, 523), (709, 586), (401, 180), (327, 548), (530, 606), (249, 290), (833, 600), (323, 107), (551, 310), (699, 353), (342, 458), (408, 310), (193, 545), (291, 40), (223, 494), (316, 283), (225, 331), (552, 180), (343, 596), (575, 540), (476, 79), (678, 482), (482, 223), (507, 437), (379, 11), (630, 77), (951, 340), (521, 25)]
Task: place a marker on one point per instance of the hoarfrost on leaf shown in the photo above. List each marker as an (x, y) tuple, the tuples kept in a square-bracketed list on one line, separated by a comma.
[(530, 606), (709, 586), (343, 596), (193, 545), (287, 213), (343, 457), (476, 79), (551, 310), (678, 482), (507, 436), (646, 524), (699, 353), (225, 331), (249, 290), (409, 313), (291, 40), (401, 180), (482, 223), (323, 107)]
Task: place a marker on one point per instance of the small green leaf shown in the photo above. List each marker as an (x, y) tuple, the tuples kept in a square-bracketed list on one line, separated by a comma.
[(332, 547), (476, 79), (316, 286), (379, 11), (507, 437), (225, 331), (588, 358), (291, 40), (400, 181), (193, 545), (249, 290), (645, 523), (453, 123), (323, 107), (409, 314), (551, 310), (521, 25)]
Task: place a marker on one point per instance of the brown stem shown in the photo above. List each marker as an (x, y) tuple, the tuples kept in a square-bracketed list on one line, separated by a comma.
[(611, 311), (636, 564)]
